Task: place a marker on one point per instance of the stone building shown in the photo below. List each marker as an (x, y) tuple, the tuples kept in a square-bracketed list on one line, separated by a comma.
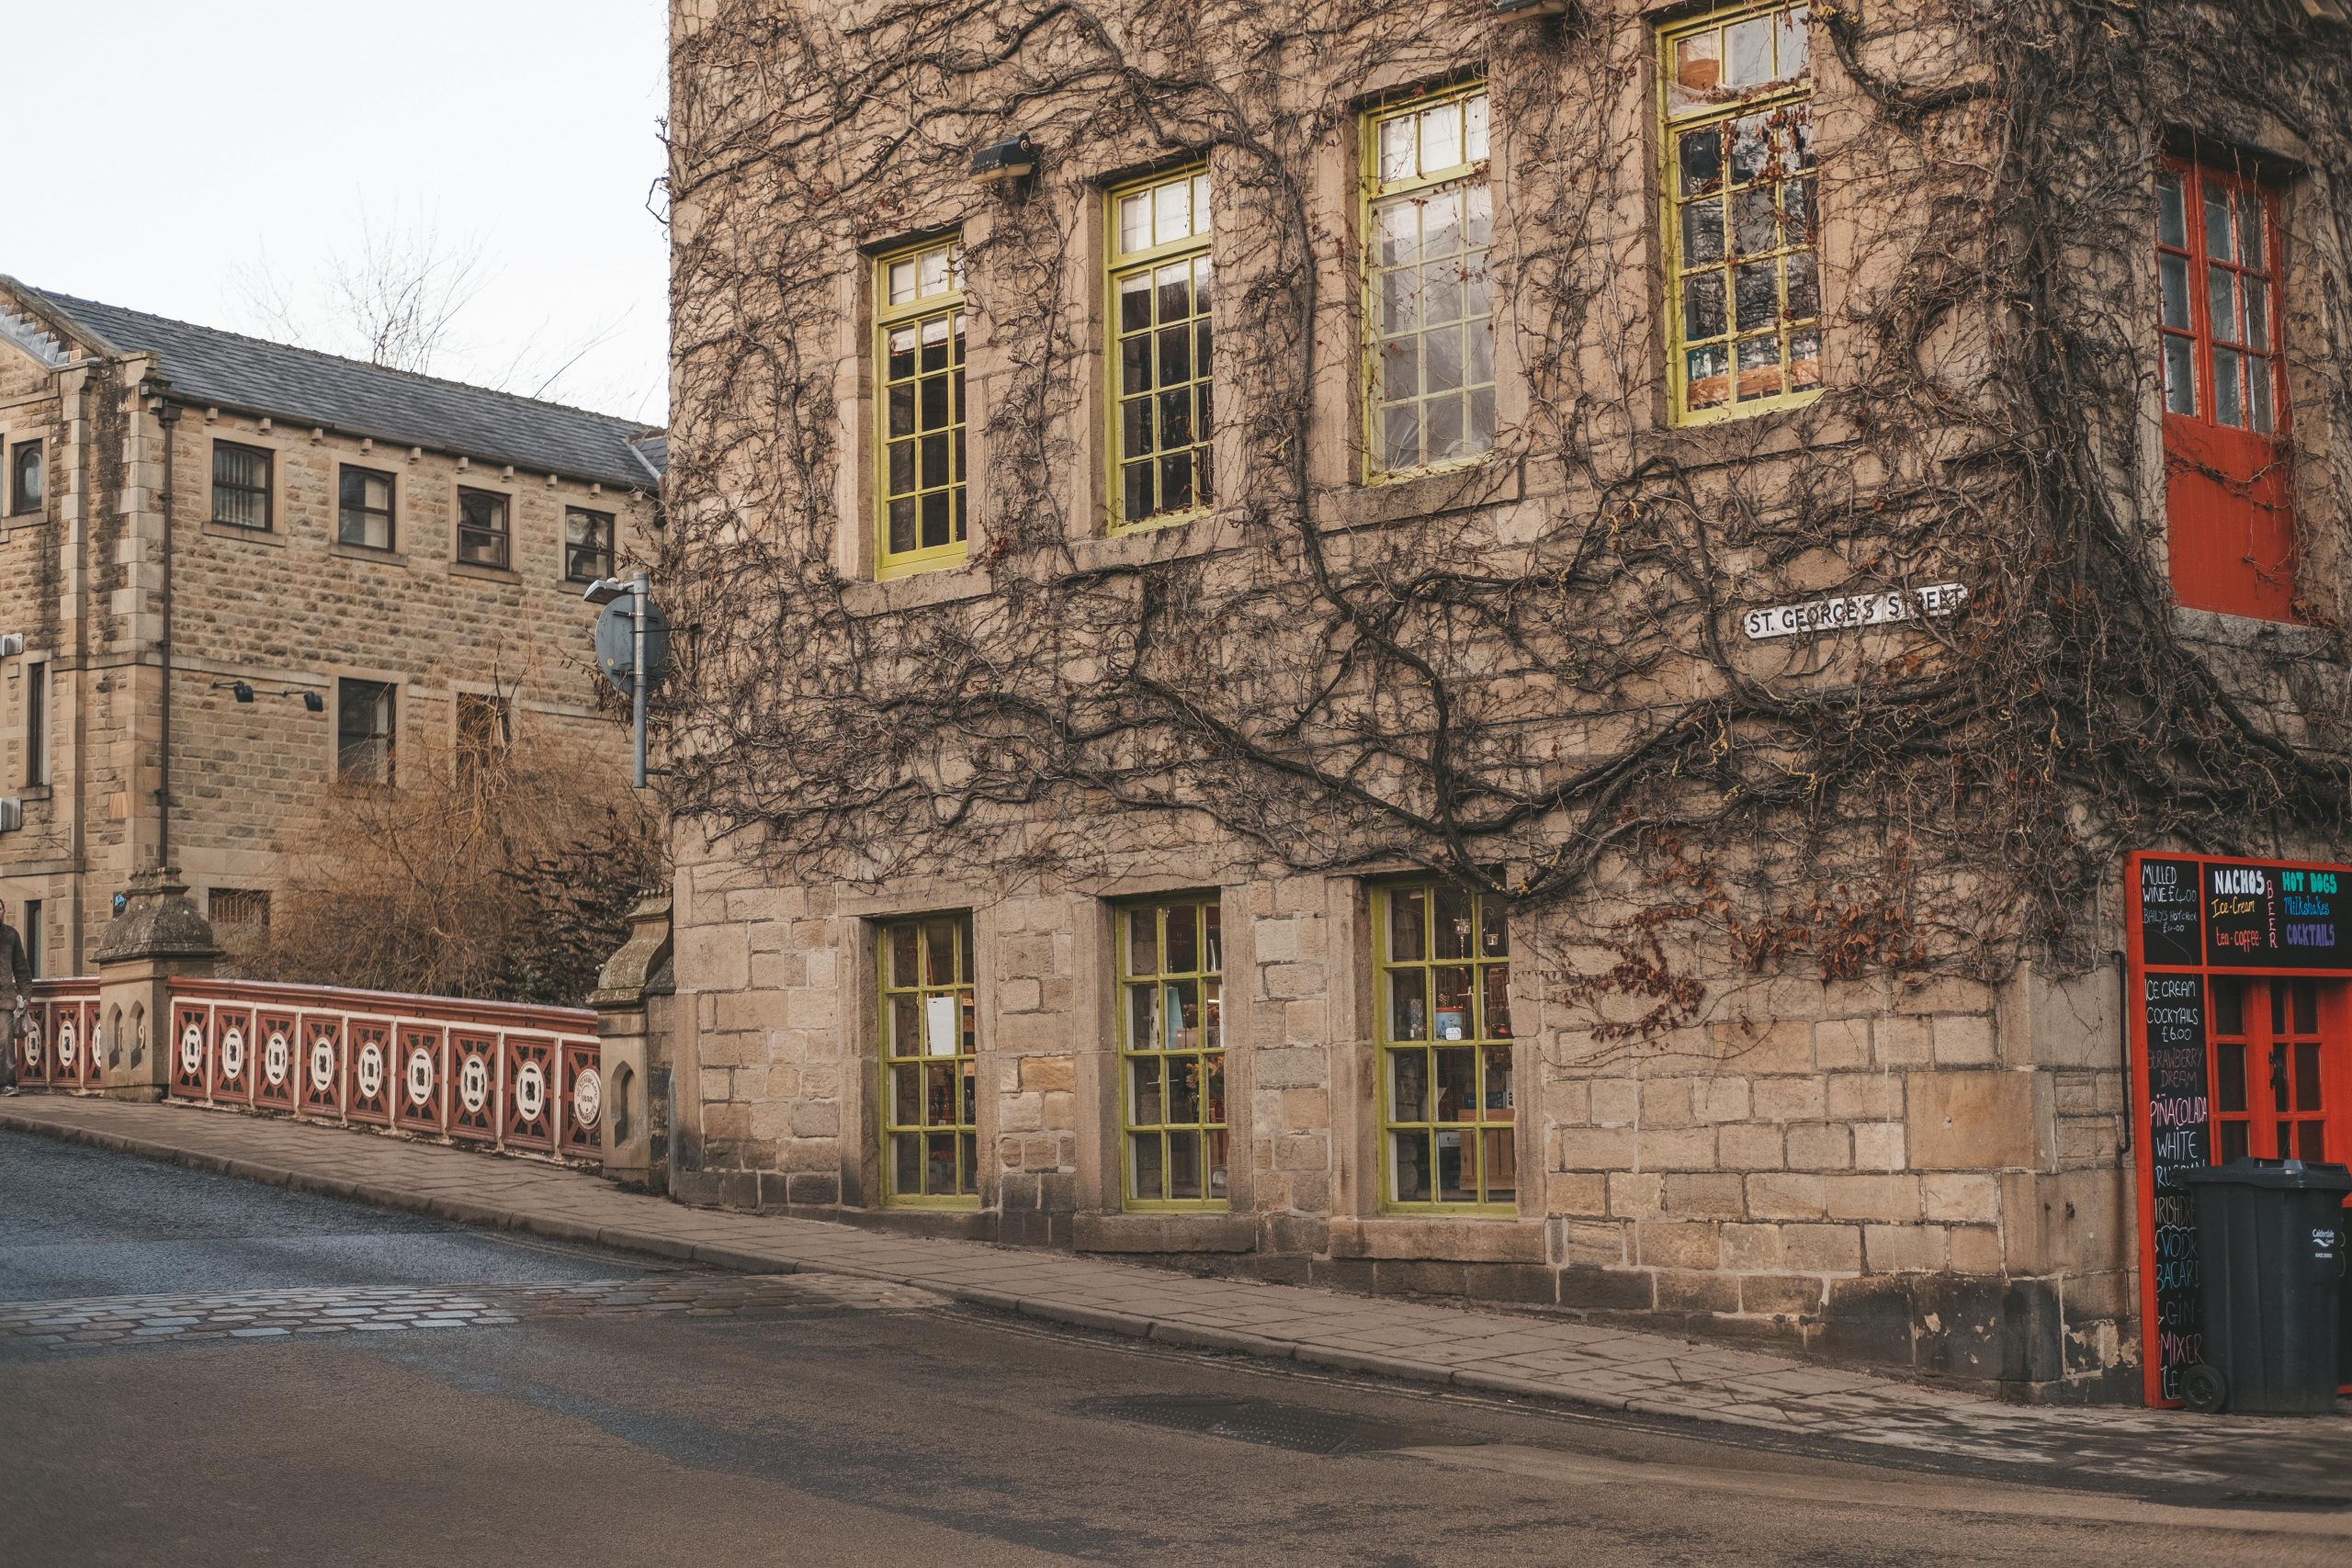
[(240, 570), (1603, 775)]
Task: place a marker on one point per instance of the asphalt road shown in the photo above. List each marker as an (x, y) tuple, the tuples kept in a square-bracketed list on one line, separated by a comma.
[(195, 1370)]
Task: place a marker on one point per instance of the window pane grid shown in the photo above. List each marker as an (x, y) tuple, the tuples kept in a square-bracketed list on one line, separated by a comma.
[(2218, 299), (1449, 1137), (239, 486), (919, 379), (481, 528), (1174, 1134), (1430, 294), (1161, 349), (587, 544), (25, 477), (930, 1056), (1743, 307), (365, 510)]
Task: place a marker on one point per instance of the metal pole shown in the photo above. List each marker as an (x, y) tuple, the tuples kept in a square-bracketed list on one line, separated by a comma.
[(639, 588)]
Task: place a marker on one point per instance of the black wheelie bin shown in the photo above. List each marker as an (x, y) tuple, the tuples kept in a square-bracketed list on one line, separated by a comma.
[(2270, 1257)]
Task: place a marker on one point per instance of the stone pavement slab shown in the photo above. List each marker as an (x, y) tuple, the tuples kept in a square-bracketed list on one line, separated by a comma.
[(1515, 1354)]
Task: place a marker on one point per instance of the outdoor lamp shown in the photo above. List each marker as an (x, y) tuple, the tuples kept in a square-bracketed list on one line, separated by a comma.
[(1006, 163), (1529, 10), (243, 692), (605, 590)]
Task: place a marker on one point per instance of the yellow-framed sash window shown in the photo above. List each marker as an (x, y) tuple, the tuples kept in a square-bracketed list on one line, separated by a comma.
[(929, 1091), (1428, 218), (1171, 1054), (1744, 291), (1159, 294), (1449, 1139), (919, 382)]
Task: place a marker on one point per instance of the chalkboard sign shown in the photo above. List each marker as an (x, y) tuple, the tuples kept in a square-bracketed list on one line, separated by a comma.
[(2178, 1139), (2272, 916), (2169, 899)]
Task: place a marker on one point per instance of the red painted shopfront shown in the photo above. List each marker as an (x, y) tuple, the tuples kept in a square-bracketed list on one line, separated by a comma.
[(2241, 1023)]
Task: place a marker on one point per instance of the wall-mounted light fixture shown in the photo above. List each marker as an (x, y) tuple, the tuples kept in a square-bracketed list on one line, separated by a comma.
[(11, 644), (1008, 162), (1531, 10), (243, 692), (2327, 10)]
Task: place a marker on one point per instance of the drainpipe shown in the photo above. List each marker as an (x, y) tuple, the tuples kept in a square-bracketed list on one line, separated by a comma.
[(168, 415)]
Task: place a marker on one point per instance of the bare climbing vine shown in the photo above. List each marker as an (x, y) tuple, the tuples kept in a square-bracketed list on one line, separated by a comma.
[(1532, 680)]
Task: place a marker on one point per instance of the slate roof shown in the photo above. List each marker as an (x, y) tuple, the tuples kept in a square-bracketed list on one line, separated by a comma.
[(225, 369)]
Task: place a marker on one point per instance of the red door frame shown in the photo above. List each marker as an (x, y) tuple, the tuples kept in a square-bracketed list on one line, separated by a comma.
[(2335, 1028), (2228, 499)]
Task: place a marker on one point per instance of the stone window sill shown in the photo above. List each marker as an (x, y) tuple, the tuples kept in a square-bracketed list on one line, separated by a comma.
[(269, 536), (364, 552), (944, 586), (2253, 635), (484, 573), (1495, 481)]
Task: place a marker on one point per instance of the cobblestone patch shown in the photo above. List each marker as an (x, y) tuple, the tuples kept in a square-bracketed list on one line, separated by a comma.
[(265, 1315)]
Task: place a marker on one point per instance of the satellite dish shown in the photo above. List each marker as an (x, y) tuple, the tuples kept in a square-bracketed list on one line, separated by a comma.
[(617, 644)]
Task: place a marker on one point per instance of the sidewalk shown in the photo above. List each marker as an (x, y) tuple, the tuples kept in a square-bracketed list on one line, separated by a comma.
[(2159, 1454)]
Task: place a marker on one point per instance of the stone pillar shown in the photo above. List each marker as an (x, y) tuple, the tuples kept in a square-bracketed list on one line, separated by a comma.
[(156, 939), (633, 999)]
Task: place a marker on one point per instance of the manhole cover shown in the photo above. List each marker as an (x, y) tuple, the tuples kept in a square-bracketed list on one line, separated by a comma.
[(1294, 1427)]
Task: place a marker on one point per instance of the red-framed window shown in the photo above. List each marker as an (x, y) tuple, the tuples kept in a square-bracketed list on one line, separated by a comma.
[(2229, 504), (2271, 1063)]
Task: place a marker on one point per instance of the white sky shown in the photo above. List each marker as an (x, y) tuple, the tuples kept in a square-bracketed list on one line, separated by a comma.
[(196, 147)]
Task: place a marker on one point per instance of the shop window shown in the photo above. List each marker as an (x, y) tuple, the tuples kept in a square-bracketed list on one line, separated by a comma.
[(364, 716), (1171, 1054), (1160, 289), (365, 515), (1744, 292), (918, 382), (1448, 1126), (482, 535), (26, 482), (241, 487), (2270, 1100), (929, 1057), (2229, 511), (1429, 297), (587, 545)]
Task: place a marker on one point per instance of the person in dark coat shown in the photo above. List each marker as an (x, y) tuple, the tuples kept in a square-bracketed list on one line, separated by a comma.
[(15, 975)]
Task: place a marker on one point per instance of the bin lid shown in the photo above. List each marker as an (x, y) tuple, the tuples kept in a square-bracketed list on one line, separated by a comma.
[(2291, 1174)]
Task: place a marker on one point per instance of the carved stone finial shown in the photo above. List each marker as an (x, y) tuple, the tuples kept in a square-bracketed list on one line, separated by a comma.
[(157, 921), (641, 967)]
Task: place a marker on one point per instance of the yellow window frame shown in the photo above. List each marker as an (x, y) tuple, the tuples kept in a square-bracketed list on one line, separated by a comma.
[(1676, 121), (919, 307), (1155, 997), (1484, 1141), (917, 997), (1472, 172), (1147, 260)]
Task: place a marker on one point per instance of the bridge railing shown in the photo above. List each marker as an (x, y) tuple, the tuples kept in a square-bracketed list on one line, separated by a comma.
[(59, 1048), (501, 1075)]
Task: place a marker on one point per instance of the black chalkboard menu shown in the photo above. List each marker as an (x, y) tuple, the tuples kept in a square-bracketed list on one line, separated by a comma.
[(2271, 917), (2173, 1010), (2169, 900)]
